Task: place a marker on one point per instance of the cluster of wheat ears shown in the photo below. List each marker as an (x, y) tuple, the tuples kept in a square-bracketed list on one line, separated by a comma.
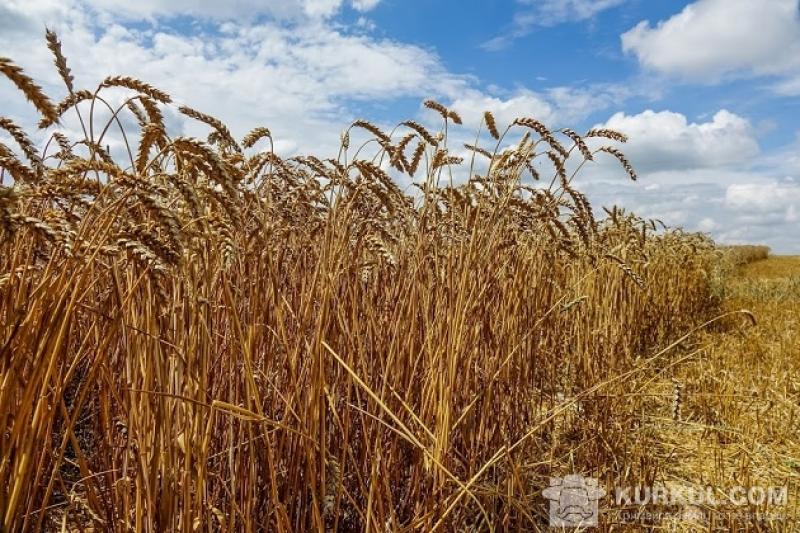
[(202, 335)]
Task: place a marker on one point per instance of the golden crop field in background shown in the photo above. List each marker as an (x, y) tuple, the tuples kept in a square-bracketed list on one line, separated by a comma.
[(200, 335)]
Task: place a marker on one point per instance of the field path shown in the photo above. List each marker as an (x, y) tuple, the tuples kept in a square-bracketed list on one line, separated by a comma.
[(738, 419)]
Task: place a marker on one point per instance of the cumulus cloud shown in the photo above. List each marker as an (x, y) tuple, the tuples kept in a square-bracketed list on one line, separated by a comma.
[(755, 209), (711, 38), (545, 13), (301, 80), (666, 140), (707, 176), (307, 80)]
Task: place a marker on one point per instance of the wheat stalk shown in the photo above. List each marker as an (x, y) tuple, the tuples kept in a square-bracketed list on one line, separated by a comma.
[(32, 92)]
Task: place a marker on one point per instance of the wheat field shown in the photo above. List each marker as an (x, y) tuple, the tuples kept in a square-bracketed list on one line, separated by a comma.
[(201, 335)]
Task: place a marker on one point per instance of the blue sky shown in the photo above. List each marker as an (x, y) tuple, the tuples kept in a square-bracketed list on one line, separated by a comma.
[(708, 90)]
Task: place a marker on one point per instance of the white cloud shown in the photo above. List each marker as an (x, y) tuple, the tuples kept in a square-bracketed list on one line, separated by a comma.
[(706, 224), (552, 12), (546, 13), (306, 80), (229, 9), (712, 38), (764, 197), (724, 211), (556, 107), (576, 103), (523, 104), (364, 5), (792, 214), (788, 87), (706, 176), (666, 140), (297, 79)]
